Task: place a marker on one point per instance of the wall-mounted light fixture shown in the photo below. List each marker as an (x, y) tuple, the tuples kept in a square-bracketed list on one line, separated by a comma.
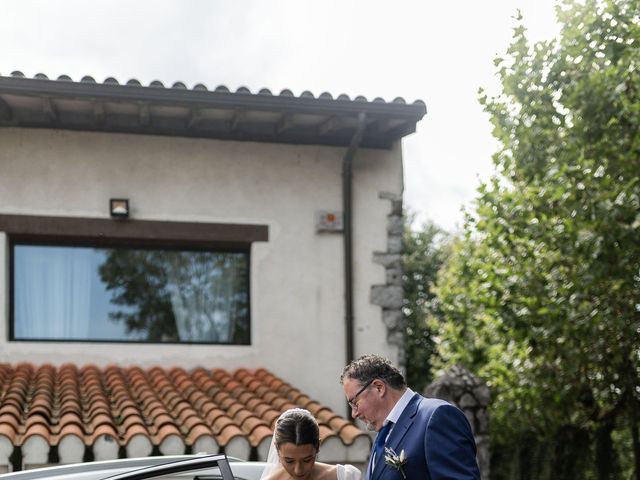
[(119, 207)]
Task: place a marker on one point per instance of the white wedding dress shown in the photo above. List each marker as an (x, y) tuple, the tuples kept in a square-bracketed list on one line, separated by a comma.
[(348, 472)]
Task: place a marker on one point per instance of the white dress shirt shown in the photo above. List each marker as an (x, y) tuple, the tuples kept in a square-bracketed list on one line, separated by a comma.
[(396, 411)]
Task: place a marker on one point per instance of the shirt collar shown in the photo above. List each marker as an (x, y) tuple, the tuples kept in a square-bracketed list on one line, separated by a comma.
[(399, 407)]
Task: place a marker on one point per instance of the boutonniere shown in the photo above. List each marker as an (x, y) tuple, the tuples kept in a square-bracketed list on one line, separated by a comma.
[(394, 460)]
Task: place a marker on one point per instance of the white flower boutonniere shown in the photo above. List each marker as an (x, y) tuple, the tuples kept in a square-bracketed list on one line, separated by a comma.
[(394, 460)]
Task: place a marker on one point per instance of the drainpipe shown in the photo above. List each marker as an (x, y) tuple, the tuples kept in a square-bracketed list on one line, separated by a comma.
[(347, 197)]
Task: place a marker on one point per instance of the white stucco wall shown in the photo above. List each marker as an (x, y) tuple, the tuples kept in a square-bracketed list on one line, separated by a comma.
[(297, 290)]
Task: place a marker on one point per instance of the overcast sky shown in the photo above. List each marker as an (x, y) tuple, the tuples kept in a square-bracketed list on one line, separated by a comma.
[(440, 52)]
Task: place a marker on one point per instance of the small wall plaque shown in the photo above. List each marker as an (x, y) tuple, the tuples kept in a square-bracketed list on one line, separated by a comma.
[(329, 221)]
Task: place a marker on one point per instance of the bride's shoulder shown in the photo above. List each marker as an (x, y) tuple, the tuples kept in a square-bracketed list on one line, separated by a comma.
[(348, 472), (324, 471), (339, 472)]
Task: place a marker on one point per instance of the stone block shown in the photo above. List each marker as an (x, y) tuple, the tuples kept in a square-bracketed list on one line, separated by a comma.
[(395, 225), (483, 456), (393, 319), (387, 296), (472, 420), (482, 416), (390, 196), (395, 338), (467, 401), (395, 244), (387, 259), (396, 207), (394, 275), (483, 395)]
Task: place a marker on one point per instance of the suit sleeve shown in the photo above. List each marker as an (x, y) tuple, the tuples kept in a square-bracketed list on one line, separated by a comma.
[(449, 446)]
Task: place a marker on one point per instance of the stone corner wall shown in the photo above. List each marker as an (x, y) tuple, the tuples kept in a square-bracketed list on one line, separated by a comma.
[(389, 296), (469, 393)]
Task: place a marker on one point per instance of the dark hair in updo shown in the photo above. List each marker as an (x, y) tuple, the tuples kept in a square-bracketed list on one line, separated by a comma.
[(297, 426)]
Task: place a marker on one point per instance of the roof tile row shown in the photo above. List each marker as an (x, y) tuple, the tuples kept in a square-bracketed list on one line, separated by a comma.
[(220, 88), (157, 404)]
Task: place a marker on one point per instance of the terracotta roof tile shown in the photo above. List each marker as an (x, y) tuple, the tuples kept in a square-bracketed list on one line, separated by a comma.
[(260, 434), (100, 419), (131, 421), (70, 417), (133, 430), (221, 423), (243, 415), (70, 406), (11, 409), (326, 432), (70, 429), (213, 416), (228, 433), (36, 429), (105, 409), (101, 430), (165, 431), (253, 423), (163, 419), (8, 430), (335, 422), (9, 421), (198, 431), (270, 416), (350, 433), (36, 420)]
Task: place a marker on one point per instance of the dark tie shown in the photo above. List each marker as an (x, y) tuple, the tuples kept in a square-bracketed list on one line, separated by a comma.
[(378, 446)]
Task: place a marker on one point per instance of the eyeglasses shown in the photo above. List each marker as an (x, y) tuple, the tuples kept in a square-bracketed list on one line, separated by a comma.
[(351, 401)]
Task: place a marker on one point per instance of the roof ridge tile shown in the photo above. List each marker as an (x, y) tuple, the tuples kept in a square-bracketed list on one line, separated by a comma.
[(180, 85)]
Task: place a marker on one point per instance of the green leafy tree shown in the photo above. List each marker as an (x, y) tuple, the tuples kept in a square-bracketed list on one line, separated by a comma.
[(541, 295), (137, 280), (171, 296), (425, 251)]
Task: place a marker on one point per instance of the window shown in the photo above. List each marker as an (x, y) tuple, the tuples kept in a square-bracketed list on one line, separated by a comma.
[(92, 292)]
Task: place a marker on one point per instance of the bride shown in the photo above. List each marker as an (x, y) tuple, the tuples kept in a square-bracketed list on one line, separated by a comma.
[(294, 447)]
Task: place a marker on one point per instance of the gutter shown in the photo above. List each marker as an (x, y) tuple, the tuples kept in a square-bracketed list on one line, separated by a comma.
[(347, 208)]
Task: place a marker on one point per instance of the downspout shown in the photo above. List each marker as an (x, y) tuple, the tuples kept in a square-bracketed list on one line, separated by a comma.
[(347, 200)]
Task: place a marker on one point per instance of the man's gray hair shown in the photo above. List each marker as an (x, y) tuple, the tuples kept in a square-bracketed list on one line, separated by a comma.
[(369, 367)]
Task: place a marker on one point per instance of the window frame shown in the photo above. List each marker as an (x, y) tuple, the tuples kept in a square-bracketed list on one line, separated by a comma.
[(140, 234)]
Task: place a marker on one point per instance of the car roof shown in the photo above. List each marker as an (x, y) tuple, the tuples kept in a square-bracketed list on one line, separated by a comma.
[(179, 465)]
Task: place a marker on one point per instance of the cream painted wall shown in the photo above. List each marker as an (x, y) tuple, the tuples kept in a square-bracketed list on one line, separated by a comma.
[(297, 290)]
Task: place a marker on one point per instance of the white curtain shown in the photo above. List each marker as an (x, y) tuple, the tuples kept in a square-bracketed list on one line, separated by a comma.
[(52, 292)]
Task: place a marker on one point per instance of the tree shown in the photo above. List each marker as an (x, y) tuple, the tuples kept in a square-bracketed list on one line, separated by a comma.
[(137, 280), (541, 294), (172, 296), (425, 250)]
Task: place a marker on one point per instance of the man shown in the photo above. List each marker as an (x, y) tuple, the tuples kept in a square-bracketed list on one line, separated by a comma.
[(418, 438)]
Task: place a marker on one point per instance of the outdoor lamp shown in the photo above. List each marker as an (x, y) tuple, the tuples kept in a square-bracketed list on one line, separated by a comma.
[(119, 207)]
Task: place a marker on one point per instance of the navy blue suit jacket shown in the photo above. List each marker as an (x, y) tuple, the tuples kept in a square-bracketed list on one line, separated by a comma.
[(437, 440)]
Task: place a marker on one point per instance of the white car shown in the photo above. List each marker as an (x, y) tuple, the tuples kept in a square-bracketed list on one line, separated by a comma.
[(182, 467)]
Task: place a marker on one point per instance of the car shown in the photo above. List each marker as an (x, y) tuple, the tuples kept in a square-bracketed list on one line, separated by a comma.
[(177, 467)]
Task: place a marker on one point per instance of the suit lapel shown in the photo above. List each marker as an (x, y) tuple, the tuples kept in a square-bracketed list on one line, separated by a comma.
[(397, 433)]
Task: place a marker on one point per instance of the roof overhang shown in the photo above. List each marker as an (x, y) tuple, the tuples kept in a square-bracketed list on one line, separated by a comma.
[(177, 111)]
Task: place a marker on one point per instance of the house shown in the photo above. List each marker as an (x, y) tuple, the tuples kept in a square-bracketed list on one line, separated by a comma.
[(156, 239)]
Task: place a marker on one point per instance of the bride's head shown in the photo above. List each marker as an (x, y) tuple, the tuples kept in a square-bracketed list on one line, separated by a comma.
[(297, 438)]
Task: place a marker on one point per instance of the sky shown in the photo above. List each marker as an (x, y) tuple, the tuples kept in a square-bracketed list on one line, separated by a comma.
[(440, 52)]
